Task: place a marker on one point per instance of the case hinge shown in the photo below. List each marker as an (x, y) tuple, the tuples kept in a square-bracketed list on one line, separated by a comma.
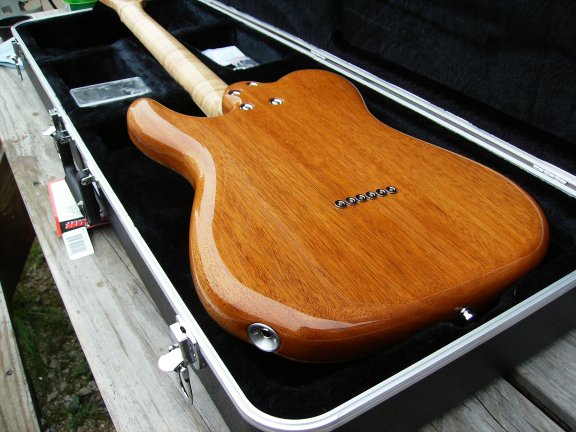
[(188, 345), (79, 179), (181, 357)]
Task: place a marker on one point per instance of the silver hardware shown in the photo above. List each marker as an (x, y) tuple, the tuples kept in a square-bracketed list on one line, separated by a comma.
[(60, 134), (171, 361), (89, 179), (175, 362), (56, 118), (180, 357), (185, 385), (234, 92), (247, 107), (264, 337), (360, 198), (189, 346), (466, 314), (381, 192), (276, 101), (17, 56), (253, 83)]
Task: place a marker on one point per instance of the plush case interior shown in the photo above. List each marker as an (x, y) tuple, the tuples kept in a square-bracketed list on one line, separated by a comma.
[(481, 60)]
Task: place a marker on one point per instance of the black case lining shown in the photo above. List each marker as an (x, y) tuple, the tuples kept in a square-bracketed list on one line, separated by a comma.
[(159, 201)]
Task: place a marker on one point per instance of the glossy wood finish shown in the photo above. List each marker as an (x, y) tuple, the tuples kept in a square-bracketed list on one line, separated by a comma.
[(268, 245)]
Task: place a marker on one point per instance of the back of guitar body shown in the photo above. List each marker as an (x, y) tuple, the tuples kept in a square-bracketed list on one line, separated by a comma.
[(321, 234)]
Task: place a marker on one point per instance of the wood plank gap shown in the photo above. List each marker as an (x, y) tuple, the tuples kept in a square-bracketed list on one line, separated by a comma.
[(17, 411), (548, 379), (498, 407)]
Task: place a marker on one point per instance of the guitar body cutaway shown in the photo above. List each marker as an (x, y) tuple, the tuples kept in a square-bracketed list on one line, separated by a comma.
[(273, 240)]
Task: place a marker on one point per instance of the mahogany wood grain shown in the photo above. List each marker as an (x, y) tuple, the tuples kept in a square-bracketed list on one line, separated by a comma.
[(268, 245)]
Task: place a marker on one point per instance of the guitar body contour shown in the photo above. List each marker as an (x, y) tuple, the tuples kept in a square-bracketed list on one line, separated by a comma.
[(268, 244)]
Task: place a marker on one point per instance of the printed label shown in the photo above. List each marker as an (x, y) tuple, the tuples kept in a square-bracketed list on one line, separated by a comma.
[(70, 222), (78, 244)]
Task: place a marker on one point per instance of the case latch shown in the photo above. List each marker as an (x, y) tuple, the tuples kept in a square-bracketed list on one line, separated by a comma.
[(17, 57), (180, 357), (78, 178), (174, 362)]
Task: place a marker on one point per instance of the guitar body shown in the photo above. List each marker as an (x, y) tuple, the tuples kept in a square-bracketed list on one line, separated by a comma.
[(272, 243)]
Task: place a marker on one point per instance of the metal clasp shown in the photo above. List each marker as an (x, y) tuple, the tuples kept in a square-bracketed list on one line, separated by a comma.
[(88, 179), (81, 182), (175, 362), (16, 58), (188, 345), (180, 357)]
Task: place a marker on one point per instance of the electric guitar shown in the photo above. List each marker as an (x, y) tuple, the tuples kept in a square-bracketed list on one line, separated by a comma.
[(318, 232)]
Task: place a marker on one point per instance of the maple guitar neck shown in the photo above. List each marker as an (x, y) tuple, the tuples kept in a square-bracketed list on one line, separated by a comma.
[(203, 85)]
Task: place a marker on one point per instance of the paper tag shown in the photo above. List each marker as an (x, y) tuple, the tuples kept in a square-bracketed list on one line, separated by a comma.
[(78, 244), (66, 212), (70, 222), (230, 56)]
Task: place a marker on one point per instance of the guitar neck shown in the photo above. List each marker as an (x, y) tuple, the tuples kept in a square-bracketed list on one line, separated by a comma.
[(205, 87)]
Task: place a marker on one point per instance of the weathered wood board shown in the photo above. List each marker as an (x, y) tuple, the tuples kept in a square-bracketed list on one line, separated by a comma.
[(119, 328), (550, 379), (17, 413)]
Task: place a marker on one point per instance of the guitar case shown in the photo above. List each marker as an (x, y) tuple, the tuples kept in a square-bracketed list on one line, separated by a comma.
[(473, 77)]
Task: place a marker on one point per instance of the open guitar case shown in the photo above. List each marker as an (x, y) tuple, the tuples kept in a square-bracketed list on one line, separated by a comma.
[(490, 80)]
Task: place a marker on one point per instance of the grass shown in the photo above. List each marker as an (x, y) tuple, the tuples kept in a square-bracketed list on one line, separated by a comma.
[(65, 391)]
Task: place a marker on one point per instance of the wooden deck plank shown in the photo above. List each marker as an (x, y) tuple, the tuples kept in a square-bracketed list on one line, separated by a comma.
[(119, 328), (550, 379), (17, 413), (498, 407)]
